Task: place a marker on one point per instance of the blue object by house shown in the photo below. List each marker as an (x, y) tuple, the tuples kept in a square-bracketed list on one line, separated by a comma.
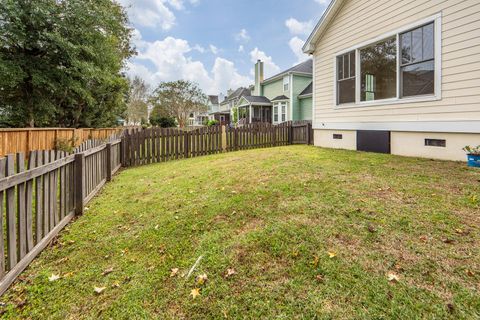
[(474, 160)]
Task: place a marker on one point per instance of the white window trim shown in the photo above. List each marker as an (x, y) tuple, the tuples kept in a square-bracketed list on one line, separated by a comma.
[(437, 20)]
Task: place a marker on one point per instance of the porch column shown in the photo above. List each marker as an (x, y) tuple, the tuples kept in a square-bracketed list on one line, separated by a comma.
[(250, 113)]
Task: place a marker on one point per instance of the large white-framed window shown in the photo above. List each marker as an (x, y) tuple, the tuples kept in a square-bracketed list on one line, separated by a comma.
[(286, 83), (399, 67), (280, 111)]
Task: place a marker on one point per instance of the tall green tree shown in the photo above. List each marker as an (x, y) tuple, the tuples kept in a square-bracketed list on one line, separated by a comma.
[(137, 106), (61, 62), (178, 99)]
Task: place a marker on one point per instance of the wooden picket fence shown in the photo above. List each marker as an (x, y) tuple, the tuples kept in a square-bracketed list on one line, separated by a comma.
[(41, 195)]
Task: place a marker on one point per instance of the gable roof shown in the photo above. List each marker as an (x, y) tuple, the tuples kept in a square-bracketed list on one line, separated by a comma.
[(322, 24), (257, 100), (213, 99), (238, 93), (307, 91), (280, 98), (305, 67)]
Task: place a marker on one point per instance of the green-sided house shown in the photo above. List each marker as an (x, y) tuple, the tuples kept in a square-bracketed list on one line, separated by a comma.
[(286, 96)]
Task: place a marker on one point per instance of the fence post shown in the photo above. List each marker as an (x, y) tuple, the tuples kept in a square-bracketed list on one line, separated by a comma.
[(109, 161), (186, 144), (290, 133), (224, 138), (309, 133), (79, 179)]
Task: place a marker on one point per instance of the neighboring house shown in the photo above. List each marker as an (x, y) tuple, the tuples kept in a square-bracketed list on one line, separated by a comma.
[(224, 113), (197, 119), (283, 97), (399, 77), (213, 106)]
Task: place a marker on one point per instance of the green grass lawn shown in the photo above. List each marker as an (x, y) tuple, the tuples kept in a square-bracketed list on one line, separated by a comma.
[(309, 233)]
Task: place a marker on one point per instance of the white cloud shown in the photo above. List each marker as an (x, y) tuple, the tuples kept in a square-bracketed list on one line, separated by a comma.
[(270, 67), (296, 45), (323, 2), (154, 13), (199, 48), (298, 27), (213, 49), (242, 36), (241, 48), (170, 61)]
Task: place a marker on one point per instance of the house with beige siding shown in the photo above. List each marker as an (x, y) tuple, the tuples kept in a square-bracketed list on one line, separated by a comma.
[(397, 76)]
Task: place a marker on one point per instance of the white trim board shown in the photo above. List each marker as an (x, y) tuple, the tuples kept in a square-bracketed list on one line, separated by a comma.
[(408, 126)]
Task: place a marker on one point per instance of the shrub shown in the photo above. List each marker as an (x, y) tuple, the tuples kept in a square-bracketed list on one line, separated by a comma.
[(212, 123), (66, 145), (163, 122)]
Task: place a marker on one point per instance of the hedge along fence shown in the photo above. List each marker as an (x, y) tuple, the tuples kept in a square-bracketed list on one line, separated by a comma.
[(25, 140), (39, 197)]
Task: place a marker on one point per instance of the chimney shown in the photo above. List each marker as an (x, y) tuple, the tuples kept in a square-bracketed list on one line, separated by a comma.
[(258, 78)]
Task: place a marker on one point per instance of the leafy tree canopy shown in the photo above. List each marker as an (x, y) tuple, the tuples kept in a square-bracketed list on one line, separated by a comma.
[(137, 107), (178, 99), (61, 62)]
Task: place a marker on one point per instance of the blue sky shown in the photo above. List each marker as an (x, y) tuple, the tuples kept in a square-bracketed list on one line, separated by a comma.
[(216, 42)]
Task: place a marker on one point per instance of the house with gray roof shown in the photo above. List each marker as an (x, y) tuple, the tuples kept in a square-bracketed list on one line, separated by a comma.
[(286, 96)]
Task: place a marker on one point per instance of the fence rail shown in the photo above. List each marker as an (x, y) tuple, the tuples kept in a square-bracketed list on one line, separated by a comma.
[(39, 196)]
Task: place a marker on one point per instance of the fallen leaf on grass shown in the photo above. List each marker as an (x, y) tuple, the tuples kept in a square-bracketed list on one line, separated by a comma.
[(107, 271), (53, 277), (67, 275), (202, 279), (156, 227), (98, 290), (332, 254), (469, 273), (174, 272), (393, 277), (195, 293), (116, 285), (315, 261), (230, 273), (319, 278)]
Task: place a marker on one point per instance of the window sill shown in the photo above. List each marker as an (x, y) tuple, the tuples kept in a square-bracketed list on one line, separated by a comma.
[(387, 102)]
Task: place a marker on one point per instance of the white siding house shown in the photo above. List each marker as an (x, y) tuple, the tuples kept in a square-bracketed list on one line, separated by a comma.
[(397, 76)]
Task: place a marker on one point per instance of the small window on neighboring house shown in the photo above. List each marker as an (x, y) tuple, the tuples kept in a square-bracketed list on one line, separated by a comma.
[(346, 78), (436, 143), (337, 136), (286, 83), (418, 61), (284, 111), (275, 113)]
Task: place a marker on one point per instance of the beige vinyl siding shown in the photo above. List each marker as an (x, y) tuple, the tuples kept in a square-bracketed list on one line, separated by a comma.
[(362, 20)]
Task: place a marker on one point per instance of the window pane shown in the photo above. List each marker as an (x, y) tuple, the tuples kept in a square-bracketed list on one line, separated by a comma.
[(417, 44), (406, 42), (379, 71), (340, 67), (418, 79), (346, 91), (352, 64), (346, 66), (428, 42)]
